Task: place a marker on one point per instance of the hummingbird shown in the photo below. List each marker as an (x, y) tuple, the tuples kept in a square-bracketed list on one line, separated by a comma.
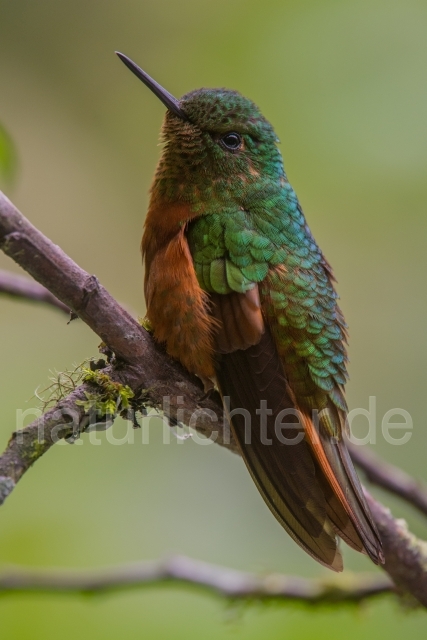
[(239, 292)]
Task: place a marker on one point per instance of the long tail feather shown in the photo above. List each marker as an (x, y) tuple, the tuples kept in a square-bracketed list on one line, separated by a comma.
[(348, 511)]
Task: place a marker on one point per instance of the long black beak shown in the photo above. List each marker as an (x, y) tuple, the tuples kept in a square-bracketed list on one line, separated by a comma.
[(168, 100)]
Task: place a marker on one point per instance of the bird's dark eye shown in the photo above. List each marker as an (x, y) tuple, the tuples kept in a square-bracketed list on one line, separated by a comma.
[(231, 141)]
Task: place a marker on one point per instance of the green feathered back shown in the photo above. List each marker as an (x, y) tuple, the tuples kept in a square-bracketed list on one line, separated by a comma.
[(270, 243)]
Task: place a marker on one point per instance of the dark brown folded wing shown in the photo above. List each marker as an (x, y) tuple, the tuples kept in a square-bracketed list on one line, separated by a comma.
[(306, 477), (278, 457)]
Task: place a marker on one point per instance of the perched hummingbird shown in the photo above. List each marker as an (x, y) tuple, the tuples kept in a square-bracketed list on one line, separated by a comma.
[(239, 292)]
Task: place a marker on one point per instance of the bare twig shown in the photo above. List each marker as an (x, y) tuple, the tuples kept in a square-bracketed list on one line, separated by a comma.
[(229, 583), (155, 379), (391, 478), (18, 286)]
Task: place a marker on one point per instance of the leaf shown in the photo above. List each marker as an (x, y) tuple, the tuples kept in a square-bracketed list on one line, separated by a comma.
[(7, 157)]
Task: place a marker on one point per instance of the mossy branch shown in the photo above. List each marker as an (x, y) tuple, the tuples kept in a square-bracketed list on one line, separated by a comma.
[(152, 377)]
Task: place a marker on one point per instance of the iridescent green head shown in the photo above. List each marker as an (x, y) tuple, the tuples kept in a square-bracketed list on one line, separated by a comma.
[(212, 137)]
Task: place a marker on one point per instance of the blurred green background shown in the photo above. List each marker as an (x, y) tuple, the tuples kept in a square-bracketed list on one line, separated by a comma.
[(344, 82)]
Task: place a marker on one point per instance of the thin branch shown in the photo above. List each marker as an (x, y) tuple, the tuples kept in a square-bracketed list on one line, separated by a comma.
[(29, 444), (18, 286), (405, 554), (390, 477), (229, 583), (155, 379)]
